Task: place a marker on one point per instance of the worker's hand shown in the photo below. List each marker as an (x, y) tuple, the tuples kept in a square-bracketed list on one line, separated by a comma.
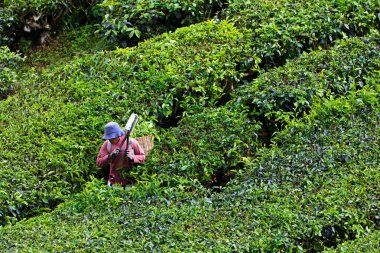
[(128, 154), (115, 153)]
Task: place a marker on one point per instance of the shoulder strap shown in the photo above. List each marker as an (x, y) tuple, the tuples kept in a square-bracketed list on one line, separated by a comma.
[(109, 144), (131, 145)]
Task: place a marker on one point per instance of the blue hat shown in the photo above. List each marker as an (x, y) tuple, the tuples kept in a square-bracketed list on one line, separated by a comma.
[(112, 130)]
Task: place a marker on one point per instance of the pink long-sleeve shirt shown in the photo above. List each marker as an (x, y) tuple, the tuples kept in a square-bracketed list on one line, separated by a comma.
[(120, 163)]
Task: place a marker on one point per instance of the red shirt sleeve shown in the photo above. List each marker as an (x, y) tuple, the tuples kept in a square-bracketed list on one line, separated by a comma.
[(102, 158), (139, 156)]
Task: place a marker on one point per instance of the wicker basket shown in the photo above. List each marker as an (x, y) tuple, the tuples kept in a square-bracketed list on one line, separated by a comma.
[(146, 142)]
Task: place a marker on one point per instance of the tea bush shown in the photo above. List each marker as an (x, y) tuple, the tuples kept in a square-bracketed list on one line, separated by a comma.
[(172, 73), (324, 164), (276, 96), (284, 29), (129, 21), (209, 146)]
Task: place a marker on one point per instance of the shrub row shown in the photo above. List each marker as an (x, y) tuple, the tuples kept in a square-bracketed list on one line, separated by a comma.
[(171, 74), (289, 91), (284, 29), (129, 21), (285, 201), (48, 155), (280, 29), (325, 163)]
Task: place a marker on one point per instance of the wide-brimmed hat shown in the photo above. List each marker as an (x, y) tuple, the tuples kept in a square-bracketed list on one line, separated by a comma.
[(112, 130)]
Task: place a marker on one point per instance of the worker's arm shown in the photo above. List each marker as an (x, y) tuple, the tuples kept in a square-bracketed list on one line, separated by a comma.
[(103, 156), (139, 156)]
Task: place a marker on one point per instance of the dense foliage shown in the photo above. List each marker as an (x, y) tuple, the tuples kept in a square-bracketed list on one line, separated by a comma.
[(209, 146), (265, 119), (284, 29), (276, 96), (283, 202), (7, 26), (128, 21), (58, 150)]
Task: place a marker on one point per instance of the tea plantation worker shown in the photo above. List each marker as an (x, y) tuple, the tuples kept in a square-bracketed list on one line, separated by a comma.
[(114, 153)]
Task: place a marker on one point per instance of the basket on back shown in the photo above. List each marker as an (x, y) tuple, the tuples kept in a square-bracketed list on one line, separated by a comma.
[(146, 142)]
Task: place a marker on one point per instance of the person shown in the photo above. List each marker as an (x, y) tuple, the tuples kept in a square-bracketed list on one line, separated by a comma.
[(114, 152)]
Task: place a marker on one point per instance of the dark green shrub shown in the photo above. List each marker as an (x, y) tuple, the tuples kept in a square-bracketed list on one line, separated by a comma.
[(284, 29), (289, 91), (129, 21), (321, 167), (7, 26)]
